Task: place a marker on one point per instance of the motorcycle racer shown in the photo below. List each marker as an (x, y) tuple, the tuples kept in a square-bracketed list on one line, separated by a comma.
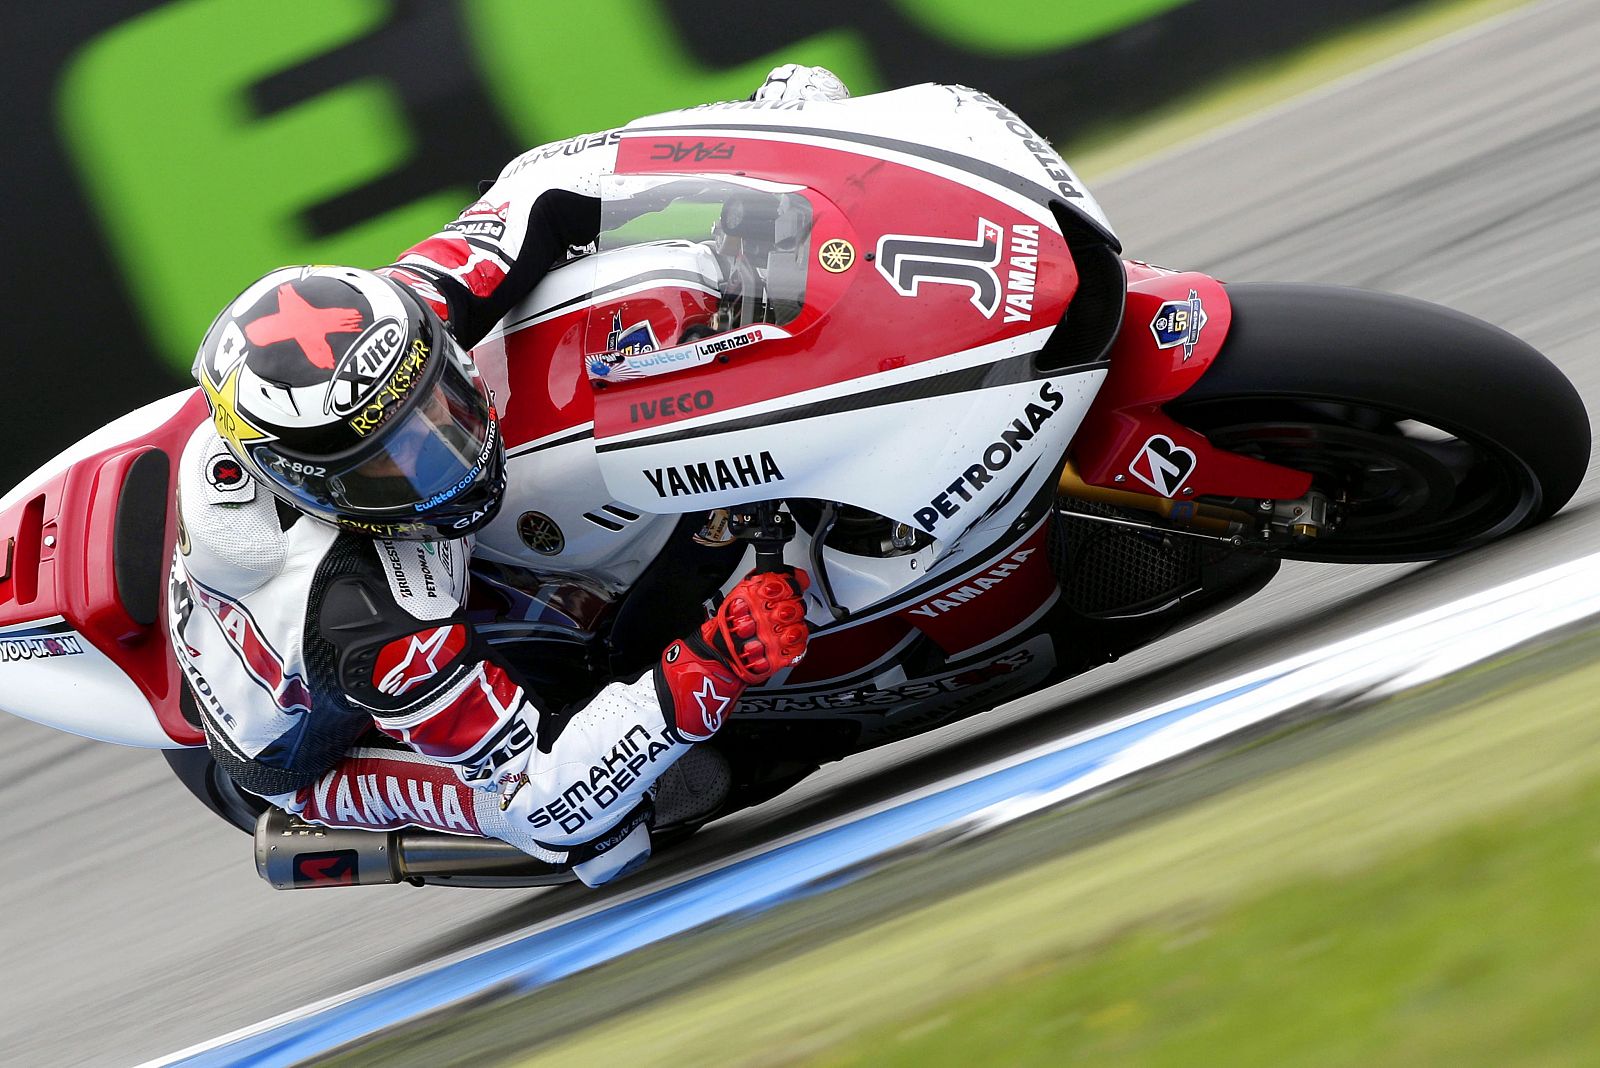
[(326, 518)]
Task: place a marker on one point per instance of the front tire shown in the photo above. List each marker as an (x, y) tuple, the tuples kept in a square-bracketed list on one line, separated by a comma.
[(1435, 432)]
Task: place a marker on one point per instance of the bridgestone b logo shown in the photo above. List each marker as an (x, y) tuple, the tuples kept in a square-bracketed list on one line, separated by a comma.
[(907, 261)]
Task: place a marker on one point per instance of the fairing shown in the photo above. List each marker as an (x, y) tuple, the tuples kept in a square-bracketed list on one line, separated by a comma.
[(898, 315), (559, 516), (1174, 324)]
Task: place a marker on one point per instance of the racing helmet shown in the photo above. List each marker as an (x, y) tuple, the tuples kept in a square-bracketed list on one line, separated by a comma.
[(342, 392)]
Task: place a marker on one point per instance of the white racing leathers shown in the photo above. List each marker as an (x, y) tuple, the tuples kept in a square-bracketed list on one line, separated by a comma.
[(298, 639)]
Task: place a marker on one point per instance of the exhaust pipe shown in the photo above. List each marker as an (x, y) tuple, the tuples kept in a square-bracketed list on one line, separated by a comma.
[(294, 855)]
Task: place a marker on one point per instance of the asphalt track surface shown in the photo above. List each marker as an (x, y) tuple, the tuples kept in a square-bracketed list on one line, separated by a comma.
[(133, 924)]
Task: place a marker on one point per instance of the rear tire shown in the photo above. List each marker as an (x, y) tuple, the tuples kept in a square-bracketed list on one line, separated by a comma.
[(1441, 432), (214, 789)]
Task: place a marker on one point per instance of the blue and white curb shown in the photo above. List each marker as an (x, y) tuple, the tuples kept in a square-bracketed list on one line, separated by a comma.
[(1384, 661)]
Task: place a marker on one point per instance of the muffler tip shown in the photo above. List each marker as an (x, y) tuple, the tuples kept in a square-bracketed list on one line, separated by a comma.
[(292, 854)]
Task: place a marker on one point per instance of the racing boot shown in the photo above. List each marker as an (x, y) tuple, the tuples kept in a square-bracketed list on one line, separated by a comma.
[(693, 789)]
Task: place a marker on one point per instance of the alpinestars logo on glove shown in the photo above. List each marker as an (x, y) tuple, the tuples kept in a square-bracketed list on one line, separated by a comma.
[(713, 706)]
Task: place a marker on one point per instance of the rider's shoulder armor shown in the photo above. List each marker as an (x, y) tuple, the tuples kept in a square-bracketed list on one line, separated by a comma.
[(393, 619), (231, 535)]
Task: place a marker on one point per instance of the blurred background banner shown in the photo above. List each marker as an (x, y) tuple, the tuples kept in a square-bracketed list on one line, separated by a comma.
[(171, 152)]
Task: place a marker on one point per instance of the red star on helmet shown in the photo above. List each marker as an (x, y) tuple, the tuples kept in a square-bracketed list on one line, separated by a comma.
[(305, 324)]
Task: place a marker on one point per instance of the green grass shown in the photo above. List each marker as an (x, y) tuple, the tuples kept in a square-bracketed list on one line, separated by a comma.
[(1478, 948), (1422, 897)]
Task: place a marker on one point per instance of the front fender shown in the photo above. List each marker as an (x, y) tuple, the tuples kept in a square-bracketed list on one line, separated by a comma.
[(1173, 326)]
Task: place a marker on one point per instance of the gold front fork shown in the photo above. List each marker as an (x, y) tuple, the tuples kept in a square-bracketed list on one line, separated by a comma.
[(1183, 514)]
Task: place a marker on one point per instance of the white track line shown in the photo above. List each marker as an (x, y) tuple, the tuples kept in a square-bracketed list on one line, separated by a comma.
[(1402, 654)]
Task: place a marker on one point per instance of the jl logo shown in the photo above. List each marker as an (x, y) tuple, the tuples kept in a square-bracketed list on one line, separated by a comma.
[(908, 260)]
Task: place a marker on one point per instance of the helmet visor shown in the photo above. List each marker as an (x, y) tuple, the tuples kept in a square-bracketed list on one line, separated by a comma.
[(435, 453), (421, 462)]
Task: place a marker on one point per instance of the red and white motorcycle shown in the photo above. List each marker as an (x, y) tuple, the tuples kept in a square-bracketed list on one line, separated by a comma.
[(892, 341)]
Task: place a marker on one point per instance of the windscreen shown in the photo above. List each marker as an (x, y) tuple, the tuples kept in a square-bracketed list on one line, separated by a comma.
[(759, 233)]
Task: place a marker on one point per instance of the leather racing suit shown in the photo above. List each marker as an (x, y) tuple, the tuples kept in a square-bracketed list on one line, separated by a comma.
[(297, 638)]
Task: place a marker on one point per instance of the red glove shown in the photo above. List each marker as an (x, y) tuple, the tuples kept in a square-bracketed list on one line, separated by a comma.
[(759, 629)]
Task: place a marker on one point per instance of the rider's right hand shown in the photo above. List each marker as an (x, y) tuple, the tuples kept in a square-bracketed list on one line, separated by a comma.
[(758, 630)]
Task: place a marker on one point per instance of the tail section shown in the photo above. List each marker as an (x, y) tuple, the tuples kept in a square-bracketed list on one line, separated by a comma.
[(85, 551)]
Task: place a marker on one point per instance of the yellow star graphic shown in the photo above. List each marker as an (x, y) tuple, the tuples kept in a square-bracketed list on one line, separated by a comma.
[(224, 401)]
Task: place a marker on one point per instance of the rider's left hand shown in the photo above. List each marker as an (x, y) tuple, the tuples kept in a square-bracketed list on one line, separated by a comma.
[(795, 81)]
